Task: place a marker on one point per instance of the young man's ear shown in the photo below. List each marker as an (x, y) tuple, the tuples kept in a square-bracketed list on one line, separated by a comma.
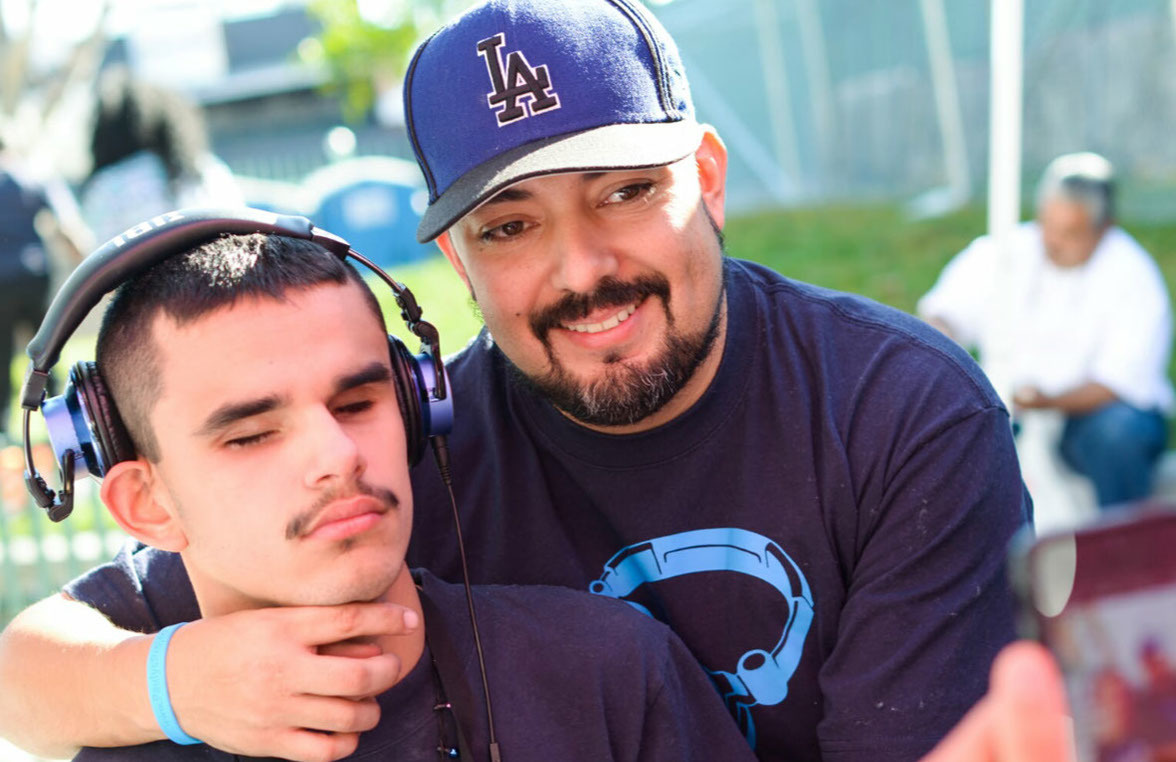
[(129, 492), (445, 243), (711, 158)]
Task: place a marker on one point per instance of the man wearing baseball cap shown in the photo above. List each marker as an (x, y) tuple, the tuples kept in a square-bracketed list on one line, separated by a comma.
[(814, 491)]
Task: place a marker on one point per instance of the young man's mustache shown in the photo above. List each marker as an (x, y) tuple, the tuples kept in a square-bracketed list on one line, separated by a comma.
[(300, 524)]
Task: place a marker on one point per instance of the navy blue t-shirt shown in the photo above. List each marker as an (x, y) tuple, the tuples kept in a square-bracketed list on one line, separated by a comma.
[(825, 528), (572, 677)]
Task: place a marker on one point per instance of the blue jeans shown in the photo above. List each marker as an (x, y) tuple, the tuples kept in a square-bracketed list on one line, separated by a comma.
[(1116, 446)]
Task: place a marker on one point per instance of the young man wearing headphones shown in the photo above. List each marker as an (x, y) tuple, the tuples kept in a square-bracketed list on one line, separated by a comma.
[(273, 432), (814, 491)]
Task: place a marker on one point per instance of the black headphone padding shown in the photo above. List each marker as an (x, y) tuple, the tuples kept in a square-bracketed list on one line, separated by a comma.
[(147, 244), (110, 433), (406, 395)]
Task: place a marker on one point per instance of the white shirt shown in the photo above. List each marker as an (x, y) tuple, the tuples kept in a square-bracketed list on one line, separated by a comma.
[(1108, 320)]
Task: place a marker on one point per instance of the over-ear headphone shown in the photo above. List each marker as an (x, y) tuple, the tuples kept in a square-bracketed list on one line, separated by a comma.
[(761, 676), (85, 430)]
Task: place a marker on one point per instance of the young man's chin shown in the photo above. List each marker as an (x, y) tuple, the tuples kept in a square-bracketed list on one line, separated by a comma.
[(357, 579), (357, 591)]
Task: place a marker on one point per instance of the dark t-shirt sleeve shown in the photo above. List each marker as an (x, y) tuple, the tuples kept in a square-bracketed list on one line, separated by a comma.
[(143, 589), (685, 719), (160, 751), (928, 607)]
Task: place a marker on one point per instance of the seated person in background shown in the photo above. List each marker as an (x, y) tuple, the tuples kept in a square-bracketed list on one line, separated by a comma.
[(254, 376), (1092, 323)]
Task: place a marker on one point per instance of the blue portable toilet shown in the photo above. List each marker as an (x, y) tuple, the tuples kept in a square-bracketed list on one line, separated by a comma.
[(375, 202)]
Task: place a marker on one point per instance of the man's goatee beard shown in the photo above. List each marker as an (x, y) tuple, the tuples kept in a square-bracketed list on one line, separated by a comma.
[(628, 392)]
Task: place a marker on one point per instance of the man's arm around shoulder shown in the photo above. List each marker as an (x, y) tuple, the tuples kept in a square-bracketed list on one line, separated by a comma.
[(68, 676), (261, 683)]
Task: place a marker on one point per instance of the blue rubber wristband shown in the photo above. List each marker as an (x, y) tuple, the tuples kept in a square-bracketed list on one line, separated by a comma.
[(157, 688)]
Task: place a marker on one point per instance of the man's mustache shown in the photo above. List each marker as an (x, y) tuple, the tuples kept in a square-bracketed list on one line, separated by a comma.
[(609, 292), (298, 525)]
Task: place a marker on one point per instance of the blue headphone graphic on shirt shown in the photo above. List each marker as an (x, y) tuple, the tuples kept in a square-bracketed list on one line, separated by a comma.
[(761, 677)]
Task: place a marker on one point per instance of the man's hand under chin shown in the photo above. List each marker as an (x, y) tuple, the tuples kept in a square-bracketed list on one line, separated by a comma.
[(1024, 717), (267, 682)]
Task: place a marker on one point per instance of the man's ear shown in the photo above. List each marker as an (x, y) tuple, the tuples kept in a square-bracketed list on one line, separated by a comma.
[(711, 158), (445, 242), (130, 492)]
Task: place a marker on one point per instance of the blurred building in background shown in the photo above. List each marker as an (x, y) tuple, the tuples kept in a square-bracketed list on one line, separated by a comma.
[(818, 99), (891, 100), (267, 115)]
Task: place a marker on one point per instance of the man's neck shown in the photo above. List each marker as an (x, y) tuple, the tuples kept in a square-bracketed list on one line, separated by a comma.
[(402, 592), (407, 648)]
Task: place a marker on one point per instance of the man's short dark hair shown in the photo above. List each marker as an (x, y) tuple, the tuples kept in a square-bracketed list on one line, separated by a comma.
[(188, 286)]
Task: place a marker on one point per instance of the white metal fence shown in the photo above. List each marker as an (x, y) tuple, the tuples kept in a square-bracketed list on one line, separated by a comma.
[(824, 99)]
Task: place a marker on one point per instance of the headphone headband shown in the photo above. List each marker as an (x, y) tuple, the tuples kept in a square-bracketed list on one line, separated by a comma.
[(144, 245)]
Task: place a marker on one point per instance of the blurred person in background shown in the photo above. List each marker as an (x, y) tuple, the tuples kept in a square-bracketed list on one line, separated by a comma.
[(40, 227), (1092, 320), (151, 155)]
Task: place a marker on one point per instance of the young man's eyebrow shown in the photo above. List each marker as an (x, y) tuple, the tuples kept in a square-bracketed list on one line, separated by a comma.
[(377, 372), (228, 414)]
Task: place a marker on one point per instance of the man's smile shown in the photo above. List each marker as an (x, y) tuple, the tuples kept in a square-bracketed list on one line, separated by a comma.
[(616, 331), (612, 321)]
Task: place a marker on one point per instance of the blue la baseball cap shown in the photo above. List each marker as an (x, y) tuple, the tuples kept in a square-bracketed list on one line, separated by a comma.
[(515, 89)]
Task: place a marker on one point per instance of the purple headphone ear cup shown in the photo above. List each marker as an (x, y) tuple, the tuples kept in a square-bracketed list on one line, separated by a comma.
[(111, 436), (408, 394)]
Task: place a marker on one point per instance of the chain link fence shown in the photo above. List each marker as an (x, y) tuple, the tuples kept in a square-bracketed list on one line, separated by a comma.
[(824, 100), (38, 556)]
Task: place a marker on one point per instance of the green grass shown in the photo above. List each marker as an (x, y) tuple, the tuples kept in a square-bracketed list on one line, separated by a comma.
[(443, 299), (870, 250), (875, 251)]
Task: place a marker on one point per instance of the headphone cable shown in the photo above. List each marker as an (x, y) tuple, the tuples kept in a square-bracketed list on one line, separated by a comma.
[(441, 453)]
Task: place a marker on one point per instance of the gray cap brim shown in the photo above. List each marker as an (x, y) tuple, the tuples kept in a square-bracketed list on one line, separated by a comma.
[(612, 147)]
